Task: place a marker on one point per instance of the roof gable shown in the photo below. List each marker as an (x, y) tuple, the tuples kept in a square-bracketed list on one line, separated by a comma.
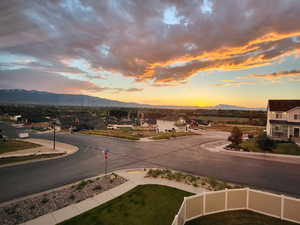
[(283, 105)]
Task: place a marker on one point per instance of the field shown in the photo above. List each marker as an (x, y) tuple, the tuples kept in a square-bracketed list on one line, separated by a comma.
[(246, 129), (172, 135), (15, 145), (132, 134), (126, 133), (223, 119), (147, 205)]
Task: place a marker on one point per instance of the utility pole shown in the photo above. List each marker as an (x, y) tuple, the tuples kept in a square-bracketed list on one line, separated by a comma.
[(54, 135)]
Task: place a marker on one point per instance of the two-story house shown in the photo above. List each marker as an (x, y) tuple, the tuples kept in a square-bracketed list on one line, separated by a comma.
[(284, 119)]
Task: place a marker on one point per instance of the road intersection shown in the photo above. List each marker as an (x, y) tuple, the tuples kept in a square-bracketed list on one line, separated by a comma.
[(184, 154)]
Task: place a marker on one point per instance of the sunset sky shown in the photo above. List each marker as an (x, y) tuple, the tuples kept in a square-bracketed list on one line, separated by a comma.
[(172, 52)]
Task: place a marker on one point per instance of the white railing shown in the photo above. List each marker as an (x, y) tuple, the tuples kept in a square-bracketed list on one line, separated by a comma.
[(279, 206)]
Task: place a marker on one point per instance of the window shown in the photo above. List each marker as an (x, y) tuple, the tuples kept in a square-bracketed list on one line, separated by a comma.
[(278, 116), (296, 116)]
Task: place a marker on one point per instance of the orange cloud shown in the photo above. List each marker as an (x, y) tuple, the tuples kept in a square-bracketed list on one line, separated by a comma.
[(257, 52), (233, 83), (277, 75)]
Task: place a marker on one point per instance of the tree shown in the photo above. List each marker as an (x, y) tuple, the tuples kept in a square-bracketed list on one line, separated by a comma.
[(264, 142), (236, 136)]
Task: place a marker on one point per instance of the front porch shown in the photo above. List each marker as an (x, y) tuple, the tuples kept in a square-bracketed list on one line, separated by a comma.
[(285, 132)]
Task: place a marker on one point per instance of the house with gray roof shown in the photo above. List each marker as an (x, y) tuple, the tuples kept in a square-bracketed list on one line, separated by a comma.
[(284, 119)]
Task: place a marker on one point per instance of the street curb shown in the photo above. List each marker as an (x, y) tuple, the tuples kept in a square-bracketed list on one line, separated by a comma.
[(59, 152), (256, 155), (31, 154)]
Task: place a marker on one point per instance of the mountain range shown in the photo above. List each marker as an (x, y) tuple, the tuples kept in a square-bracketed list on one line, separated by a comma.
[(20, 96)]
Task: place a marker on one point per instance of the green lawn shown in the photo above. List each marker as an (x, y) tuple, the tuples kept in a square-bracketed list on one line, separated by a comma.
[(170, 135), (241, 217), (223, 118), (281, 148), (246, 129), (144, 205), (15, 145), (131, 134), (10, 160), (112, 133)]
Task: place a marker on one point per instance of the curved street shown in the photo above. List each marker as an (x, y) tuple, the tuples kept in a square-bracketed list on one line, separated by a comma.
[(184, 154)]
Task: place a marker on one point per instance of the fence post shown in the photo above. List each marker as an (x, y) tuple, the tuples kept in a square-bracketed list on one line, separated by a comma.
[(204, 202), (184, 202), (226, 199), (247, 201), (175, 221), (282, 207)]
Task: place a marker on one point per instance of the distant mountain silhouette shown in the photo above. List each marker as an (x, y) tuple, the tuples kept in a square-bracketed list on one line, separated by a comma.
[(20, 96), (17, 96), (232, 107)]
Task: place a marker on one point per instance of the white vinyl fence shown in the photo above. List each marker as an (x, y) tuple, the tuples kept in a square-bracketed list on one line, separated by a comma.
[(279, 206)]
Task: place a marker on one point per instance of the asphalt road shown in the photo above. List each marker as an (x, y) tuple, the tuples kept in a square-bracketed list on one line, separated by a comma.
[(183, 154)]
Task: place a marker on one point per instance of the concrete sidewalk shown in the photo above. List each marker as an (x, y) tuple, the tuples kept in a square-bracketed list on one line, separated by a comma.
[(46, 148), (135, 177), (69, 149)]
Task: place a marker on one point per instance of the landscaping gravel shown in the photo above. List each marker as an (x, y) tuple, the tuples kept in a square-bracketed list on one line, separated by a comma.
[(28, 209)]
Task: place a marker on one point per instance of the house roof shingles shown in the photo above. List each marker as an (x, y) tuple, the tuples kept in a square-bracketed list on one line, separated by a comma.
[(283, 105)]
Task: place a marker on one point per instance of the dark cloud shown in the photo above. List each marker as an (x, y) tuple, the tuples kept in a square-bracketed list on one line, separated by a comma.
[(46, 81), (130, 37)]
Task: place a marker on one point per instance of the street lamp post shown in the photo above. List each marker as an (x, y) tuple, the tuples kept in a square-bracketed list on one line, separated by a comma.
[(54, 135)]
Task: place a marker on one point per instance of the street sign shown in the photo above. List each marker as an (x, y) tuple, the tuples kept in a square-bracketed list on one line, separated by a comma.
[(105, 154)]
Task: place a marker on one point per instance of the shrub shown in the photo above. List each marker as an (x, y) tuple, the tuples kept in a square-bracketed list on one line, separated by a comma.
[(72, 197), (81, 185), (232, 146), (250, 136), (236, 136), (195, 185), (45, 200), (178, 176), (265, 143), (212, 182), (98, 187)]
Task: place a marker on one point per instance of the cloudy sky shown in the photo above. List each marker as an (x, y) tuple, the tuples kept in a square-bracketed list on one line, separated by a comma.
[(174, 52)]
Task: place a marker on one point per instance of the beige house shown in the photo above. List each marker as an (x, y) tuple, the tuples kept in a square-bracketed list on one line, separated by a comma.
[(284, 119)]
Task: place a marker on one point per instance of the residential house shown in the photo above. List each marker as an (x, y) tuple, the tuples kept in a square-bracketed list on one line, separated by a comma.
[(283, 121), (81, 121), (40, 125), (15, 117), (150, 123), (180, 122)]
